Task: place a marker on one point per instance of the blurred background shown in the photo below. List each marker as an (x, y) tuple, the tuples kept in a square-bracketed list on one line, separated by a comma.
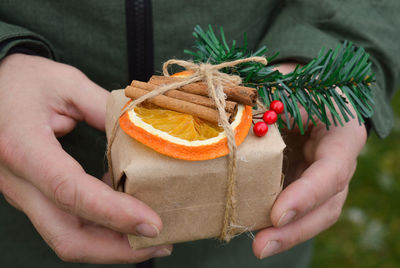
[(368, 232)]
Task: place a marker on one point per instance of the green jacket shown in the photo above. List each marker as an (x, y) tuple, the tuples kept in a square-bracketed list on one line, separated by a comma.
[(95, 36)]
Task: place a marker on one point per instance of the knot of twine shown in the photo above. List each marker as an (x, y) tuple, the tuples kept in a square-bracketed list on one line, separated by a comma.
[(214, 79)]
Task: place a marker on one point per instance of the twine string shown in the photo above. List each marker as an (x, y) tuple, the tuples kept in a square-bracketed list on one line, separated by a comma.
[(215, 80)]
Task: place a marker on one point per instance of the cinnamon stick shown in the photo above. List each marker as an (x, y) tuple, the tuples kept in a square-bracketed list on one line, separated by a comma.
[(231, 107), (240, 94), (166, 102)]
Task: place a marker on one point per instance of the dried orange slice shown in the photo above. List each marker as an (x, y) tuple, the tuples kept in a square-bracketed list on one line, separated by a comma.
[(183, 136)]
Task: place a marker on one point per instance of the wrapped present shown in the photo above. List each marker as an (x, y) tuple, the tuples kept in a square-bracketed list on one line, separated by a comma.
[(190, 196), (224, 182)]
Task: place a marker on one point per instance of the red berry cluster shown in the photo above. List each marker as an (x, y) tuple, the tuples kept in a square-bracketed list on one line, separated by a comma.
[(269, 118)]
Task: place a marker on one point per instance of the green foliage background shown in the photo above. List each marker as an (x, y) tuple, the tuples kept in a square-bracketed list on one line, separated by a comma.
[(368, 232)]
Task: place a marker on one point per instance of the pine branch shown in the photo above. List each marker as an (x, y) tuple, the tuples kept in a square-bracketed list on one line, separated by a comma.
[(326, 86)]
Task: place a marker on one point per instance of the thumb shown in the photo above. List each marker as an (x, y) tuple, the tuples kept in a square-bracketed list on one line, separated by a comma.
[(59, 177)]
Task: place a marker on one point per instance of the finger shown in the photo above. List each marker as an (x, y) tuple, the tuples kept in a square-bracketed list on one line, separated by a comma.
[(322, 180), (107, 179), (61, 124), (58, 86), (48, 167), (345, 142), (10, 200), (273, 240), (89, 101), (286, 67), (333, 158), (72, 239)]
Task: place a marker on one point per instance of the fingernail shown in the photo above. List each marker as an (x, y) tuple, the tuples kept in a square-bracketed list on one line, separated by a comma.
[(286, 218), (162, 253), (147, 229), (272, 247)]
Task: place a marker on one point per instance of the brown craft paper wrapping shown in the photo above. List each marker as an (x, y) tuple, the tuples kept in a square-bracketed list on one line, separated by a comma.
[(189, 196)]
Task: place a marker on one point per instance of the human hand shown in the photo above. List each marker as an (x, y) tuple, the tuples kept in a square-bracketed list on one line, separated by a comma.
[(321, 165), (79, 216)]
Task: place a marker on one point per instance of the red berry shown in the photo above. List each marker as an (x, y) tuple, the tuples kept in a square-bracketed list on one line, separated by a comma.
[(270, 117), (260, 129), (276, 106)]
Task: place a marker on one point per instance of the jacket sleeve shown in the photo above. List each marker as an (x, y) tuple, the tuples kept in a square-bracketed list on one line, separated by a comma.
[(302, 27), (18, 39)]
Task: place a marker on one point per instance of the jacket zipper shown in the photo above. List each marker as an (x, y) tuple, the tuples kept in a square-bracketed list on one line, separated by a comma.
[(140, 39), (139, 28)]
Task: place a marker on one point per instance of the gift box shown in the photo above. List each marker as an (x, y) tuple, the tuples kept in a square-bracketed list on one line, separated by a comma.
[(190, 196)]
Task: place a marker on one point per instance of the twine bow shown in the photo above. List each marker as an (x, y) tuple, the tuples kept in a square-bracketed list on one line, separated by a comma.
[(214, 79)]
